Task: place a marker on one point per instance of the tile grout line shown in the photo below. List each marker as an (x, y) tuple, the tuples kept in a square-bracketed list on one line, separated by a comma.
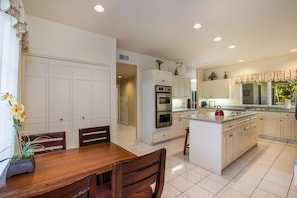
[(268, 171)]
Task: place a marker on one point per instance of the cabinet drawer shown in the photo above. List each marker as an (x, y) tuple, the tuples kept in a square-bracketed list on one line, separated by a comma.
[(287, 115), (242, 122), (228, 126)]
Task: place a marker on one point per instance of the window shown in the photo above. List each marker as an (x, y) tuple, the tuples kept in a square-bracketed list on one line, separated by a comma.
[(9, 60)]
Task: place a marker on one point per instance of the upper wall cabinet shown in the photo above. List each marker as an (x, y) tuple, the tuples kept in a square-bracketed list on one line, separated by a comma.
[(216, 89), (181, 87), (161, 77)]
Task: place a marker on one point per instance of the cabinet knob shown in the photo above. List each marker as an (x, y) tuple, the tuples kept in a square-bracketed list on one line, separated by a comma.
[(61, 119), (230, 135), (83, 117)]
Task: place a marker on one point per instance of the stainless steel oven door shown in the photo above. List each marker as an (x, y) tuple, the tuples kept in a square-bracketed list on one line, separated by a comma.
[(163, 119), (163, 102)]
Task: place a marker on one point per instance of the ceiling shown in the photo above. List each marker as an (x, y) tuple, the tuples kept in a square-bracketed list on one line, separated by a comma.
[(259, 29)]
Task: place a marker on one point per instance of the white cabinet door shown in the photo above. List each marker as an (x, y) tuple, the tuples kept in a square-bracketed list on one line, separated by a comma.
[(65, 96), (181, 87), (216, 89), (270, 124), (35, 98), (287, 125), (101, 96), (175, 87), (162, 77), (60, 98)]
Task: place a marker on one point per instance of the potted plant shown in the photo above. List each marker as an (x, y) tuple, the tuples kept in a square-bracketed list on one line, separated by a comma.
[(285, 93), (23, 160)]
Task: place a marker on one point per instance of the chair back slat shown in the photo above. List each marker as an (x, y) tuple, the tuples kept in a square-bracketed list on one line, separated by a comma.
[(137, 174), (46, 142), (94, 135)]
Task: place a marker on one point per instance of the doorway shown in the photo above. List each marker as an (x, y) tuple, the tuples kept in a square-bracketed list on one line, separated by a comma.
[(126, 102)]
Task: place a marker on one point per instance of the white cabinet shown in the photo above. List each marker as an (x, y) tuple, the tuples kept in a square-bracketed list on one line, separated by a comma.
[(229, 142), (277, 125), (287, 125), (216, 89), (179, 125), (181, 87), (60, 99), (70, 96), (161, 77), (35, 94), (149, 79), (238, 137), (269, 124)]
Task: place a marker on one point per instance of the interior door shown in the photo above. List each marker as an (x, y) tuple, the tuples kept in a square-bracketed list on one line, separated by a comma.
[(124, 110)]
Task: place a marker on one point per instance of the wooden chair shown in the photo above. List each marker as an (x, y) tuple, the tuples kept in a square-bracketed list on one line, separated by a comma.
[(81, 186), (46, 142), (186, 145), (94, 135), (133, 178)]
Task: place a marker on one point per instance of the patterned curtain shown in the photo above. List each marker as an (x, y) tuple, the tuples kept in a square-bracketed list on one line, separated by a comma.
[(15, 8), (279, 75)]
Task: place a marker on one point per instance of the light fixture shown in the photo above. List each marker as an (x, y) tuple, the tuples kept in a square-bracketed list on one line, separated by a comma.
[(241, 60), (120, 76), (293, 50), (197, 26), (231, 46), (216, 39), (99, 8)]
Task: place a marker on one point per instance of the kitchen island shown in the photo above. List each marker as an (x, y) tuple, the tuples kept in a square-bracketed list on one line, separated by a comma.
[(216, 141)]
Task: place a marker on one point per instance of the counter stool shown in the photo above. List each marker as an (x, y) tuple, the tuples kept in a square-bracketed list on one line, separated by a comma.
[(186, 140)]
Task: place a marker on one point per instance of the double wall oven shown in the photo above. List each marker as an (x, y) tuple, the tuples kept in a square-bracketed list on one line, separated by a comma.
[(163, 106)]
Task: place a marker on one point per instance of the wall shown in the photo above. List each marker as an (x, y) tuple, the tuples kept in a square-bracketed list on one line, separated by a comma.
[(128, 88), (283, 62), (56, 40)]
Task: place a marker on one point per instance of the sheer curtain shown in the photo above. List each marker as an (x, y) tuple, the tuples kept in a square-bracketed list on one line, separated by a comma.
[(9, 66)]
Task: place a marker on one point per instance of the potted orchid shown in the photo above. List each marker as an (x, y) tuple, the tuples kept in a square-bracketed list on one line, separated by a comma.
[(23, 160)]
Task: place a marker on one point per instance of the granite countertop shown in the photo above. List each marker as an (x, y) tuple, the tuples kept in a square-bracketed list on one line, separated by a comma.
[(183, 109), (210, 117), (255, 108)]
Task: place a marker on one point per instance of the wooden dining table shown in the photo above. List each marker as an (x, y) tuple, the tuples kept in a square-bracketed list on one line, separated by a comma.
[(57, 166)]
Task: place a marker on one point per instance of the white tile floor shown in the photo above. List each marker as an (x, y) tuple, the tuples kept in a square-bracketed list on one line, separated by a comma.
[(266, 171)]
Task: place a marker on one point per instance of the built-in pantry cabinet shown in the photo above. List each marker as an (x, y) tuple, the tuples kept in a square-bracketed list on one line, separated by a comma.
[(65, 96)]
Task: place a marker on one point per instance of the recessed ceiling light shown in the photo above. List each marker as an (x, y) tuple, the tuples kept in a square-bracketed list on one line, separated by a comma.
[(120, 76), (99, 8), (241, 60), (231, 46), (197, 26), (293, 50), (217, 39)]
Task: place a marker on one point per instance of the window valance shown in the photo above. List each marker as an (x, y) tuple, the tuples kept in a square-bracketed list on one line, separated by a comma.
[(279, 75), (16, 9)]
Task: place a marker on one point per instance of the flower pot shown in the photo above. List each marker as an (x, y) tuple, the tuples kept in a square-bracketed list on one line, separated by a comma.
[(21, 166)]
